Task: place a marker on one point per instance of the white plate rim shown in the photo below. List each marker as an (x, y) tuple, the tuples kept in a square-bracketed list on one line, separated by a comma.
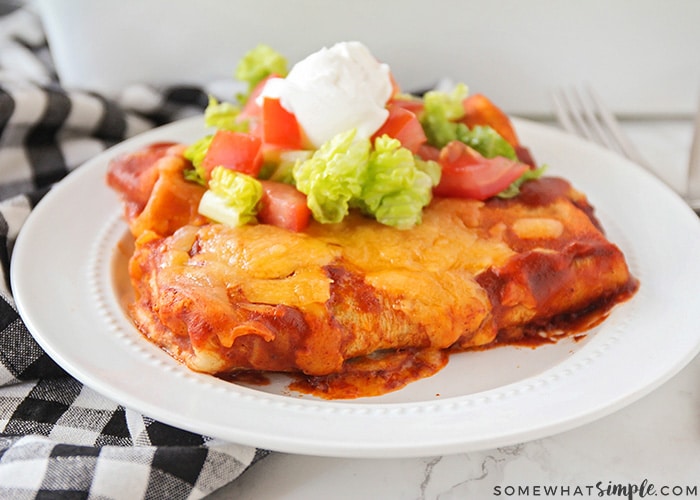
[(63, 314)]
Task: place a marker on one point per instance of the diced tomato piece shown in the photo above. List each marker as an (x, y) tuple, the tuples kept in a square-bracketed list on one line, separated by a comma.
[(255, 128), (467, 174), (404, 126), (252, 110), (235, 150), (428, 152), (480, 110), (415, 106), (279, 126), (395, 87), (282, 205)]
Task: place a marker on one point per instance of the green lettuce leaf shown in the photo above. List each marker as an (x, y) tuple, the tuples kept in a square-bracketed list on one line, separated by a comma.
[(258, 64), (431, 168), (195, 153), (283, 169), (232, 197), (396, 189), (441, 110), (439, 120), (223, 115), (333, 176), (387, 182), (486, 141)]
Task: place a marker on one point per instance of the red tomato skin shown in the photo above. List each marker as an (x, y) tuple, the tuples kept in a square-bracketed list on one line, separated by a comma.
[(404, 126), (395, 87), (234, 150), (415, 106), (467, 174), (428, 152), (480, 110), (279, 127), (252, 110), (283, 206)]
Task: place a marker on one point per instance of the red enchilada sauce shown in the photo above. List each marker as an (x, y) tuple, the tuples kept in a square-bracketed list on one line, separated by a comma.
[(391, 371), (543, 274)]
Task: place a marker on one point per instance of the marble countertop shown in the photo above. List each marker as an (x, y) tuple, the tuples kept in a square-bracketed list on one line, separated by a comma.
[(649, 448)]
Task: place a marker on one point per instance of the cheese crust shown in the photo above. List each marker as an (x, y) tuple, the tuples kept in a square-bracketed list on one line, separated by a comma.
[(222, 299)]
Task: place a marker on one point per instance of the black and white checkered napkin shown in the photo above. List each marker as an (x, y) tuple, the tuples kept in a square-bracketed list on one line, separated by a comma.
[(58, 438)]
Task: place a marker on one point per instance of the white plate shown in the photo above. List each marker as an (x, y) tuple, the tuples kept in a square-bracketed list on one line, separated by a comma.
[(66, 259)]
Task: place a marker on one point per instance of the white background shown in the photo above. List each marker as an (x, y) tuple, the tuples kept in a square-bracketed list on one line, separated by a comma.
[(642, 55)]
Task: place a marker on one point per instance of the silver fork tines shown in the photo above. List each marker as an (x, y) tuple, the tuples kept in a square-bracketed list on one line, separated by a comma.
[(582, 112)]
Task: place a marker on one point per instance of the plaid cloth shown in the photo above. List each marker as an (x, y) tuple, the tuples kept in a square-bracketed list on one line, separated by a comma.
[(58, 438)]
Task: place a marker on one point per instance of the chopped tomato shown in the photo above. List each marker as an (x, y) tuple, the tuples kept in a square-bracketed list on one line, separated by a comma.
[(467, 174), (395, 87), (414, 105), (251, 109), (234, 150), (279, 127), (479, 110), (404, 126), (283, 206), (428, 152)]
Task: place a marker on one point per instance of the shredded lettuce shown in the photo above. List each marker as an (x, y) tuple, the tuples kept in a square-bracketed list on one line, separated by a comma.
[(258, 64), (529, 175), (386, 182), (232, 197), (441, 110), (431, 168), (486, 141), (333, 176), (283, 169), (395, 189), (223, 115), (195, 152), (383, 180), (439, 120), (448, 105)]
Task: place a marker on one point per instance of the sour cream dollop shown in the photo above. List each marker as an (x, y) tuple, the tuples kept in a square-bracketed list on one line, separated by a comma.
[(334, 90)]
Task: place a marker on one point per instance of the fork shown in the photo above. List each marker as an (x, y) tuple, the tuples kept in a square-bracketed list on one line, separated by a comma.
[(583, 113)]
